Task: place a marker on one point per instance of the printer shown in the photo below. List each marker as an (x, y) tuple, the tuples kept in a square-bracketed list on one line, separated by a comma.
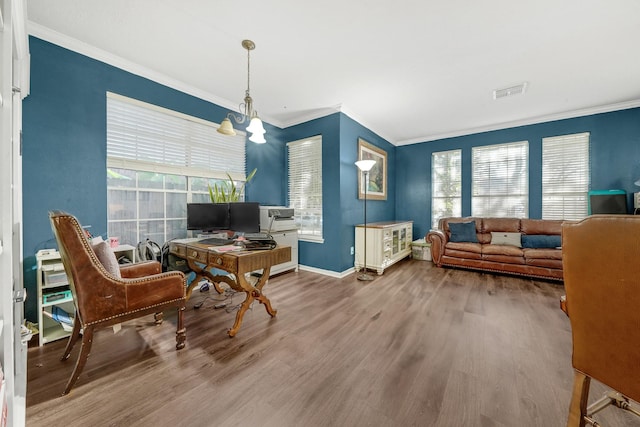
[(277, 218)]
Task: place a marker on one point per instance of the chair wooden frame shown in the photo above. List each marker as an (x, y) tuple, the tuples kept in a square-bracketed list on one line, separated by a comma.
[(101, 299)]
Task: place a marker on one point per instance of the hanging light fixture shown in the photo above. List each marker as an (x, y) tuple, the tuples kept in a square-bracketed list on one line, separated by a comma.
[(255, 127)]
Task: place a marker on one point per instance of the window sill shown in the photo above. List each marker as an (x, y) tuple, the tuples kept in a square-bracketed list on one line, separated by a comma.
[(310, 239)]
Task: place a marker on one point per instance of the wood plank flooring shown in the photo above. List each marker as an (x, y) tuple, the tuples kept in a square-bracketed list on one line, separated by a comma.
[(418, 346)]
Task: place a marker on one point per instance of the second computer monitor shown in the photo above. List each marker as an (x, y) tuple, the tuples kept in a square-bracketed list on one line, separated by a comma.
[(244, 217)]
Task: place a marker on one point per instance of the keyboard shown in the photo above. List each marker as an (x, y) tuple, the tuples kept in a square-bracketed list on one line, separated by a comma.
[(216, 241), (257, 236)]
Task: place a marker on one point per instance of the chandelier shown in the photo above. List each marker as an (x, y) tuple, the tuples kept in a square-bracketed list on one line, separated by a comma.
[(255, 127)]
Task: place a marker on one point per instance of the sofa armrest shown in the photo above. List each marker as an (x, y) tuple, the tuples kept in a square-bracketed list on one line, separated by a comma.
[(438, 240)]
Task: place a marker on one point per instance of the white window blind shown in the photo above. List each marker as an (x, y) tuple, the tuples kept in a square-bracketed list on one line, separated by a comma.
[(142, 136), (500, 180), (446, 185), (565, 176), (305, 186)]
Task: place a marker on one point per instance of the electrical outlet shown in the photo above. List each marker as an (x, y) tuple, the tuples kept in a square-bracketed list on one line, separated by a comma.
[(352, 252)]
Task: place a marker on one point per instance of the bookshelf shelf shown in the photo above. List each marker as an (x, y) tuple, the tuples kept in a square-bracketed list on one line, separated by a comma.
[(52, 280)]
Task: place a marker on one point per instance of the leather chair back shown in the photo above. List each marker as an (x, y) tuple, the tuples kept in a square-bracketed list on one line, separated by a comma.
[(601, 261)]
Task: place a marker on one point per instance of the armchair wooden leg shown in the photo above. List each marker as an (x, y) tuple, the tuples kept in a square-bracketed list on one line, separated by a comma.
[(85, 349), (158, 318), (181, 330), (75, 334), (579, 397)]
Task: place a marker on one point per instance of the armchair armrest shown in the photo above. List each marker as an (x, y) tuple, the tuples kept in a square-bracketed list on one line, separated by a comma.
[(106, 296), (140, 269), (150, 290), (438, 240)]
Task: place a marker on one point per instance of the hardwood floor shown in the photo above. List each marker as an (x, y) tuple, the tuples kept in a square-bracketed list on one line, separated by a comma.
[(418, 346)]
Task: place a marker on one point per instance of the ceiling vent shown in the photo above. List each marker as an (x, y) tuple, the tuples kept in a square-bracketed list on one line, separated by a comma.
[(510, 91)]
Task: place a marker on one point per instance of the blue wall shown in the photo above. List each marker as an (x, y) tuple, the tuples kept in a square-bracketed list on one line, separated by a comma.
[(615, 161), (64, 144), (342, 209)]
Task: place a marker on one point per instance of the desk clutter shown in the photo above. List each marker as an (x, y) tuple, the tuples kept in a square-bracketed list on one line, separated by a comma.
[(220, 243)]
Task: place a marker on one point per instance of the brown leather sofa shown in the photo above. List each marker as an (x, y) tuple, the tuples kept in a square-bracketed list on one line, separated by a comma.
[(540, 256)]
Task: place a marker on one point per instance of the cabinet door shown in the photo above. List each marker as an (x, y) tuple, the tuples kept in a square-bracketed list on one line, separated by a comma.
[(396, 241)]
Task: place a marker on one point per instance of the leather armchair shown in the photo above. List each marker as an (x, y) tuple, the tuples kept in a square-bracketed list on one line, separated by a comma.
[(102, 299), (602, 282)]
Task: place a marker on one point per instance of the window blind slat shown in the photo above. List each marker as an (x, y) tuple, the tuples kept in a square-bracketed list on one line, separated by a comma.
[(565, 176), (149, 134), (305, 185), (500, 180)]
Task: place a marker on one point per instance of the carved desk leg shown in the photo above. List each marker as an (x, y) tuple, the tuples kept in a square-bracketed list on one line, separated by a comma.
[(201, 273), (253, 293)]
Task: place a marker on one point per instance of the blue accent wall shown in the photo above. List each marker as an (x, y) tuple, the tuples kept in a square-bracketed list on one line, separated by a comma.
[(341, 208), (615, 161), (64, 144)]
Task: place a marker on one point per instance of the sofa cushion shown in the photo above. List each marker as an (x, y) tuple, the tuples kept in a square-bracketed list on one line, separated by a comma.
[(475, 248), (453, 253), (502, 250), (463, 232), (504, 238), (542, 253), (541, 241), (504, 259)]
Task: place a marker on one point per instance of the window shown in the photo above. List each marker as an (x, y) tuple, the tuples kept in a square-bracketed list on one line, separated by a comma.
[(305, 186), (158, 160), (446, 185), (500, 180), (565, 176)]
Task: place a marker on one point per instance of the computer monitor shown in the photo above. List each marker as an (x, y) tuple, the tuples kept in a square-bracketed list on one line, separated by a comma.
[(207, 216), (244, 217), (607, 202)]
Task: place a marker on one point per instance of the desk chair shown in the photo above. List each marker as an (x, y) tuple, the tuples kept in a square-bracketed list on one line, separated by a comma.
[(601, 263), (105, 298)]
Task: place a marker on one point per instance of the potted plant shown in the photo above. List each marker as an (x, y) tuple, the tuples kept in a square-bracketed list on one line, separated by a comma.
[(226, 191)]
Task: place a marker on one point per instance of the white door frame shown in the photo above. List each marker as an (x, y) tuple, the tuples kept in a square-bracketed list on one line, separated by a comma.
[(14, 86)]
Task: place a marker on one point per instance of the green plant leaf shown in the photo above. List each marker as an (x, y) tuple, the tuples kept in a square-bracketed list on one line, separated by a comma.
[(227, 191)]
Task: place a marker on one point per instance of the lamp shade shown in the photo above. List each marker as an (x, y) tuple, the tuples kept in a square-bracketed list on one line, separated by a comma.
[(258, 138), (365, 165), (637, 183), (226, 128), (255, 126)]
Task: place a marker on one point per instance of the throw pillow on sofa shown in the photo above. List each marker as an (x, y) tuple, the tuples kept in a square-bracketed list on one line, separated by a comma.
[(463, 232), (541, 241), (502, 238)]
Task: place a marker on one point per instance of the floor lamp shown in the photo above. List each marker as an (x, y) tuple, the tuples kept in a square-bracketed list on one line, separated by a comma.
[(365, 166)]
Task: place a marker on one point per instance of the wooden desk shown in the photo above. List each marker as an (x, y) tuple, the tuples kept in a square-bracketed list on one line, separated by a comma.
[(201, 260)]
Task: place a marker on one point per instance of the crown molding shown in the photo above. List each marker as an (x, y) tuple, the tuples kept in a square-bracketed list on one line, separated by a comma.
[(529, 121), (93, 52)]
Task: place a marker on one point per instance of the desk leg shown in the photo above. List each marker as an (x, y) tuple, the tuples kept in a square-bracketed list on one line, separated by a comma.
[(203, 273), (253, 293)]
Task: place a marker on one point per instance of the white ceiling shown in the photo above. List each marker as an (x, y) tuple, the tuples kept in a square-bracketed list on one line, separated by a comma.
[(411, 71)]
